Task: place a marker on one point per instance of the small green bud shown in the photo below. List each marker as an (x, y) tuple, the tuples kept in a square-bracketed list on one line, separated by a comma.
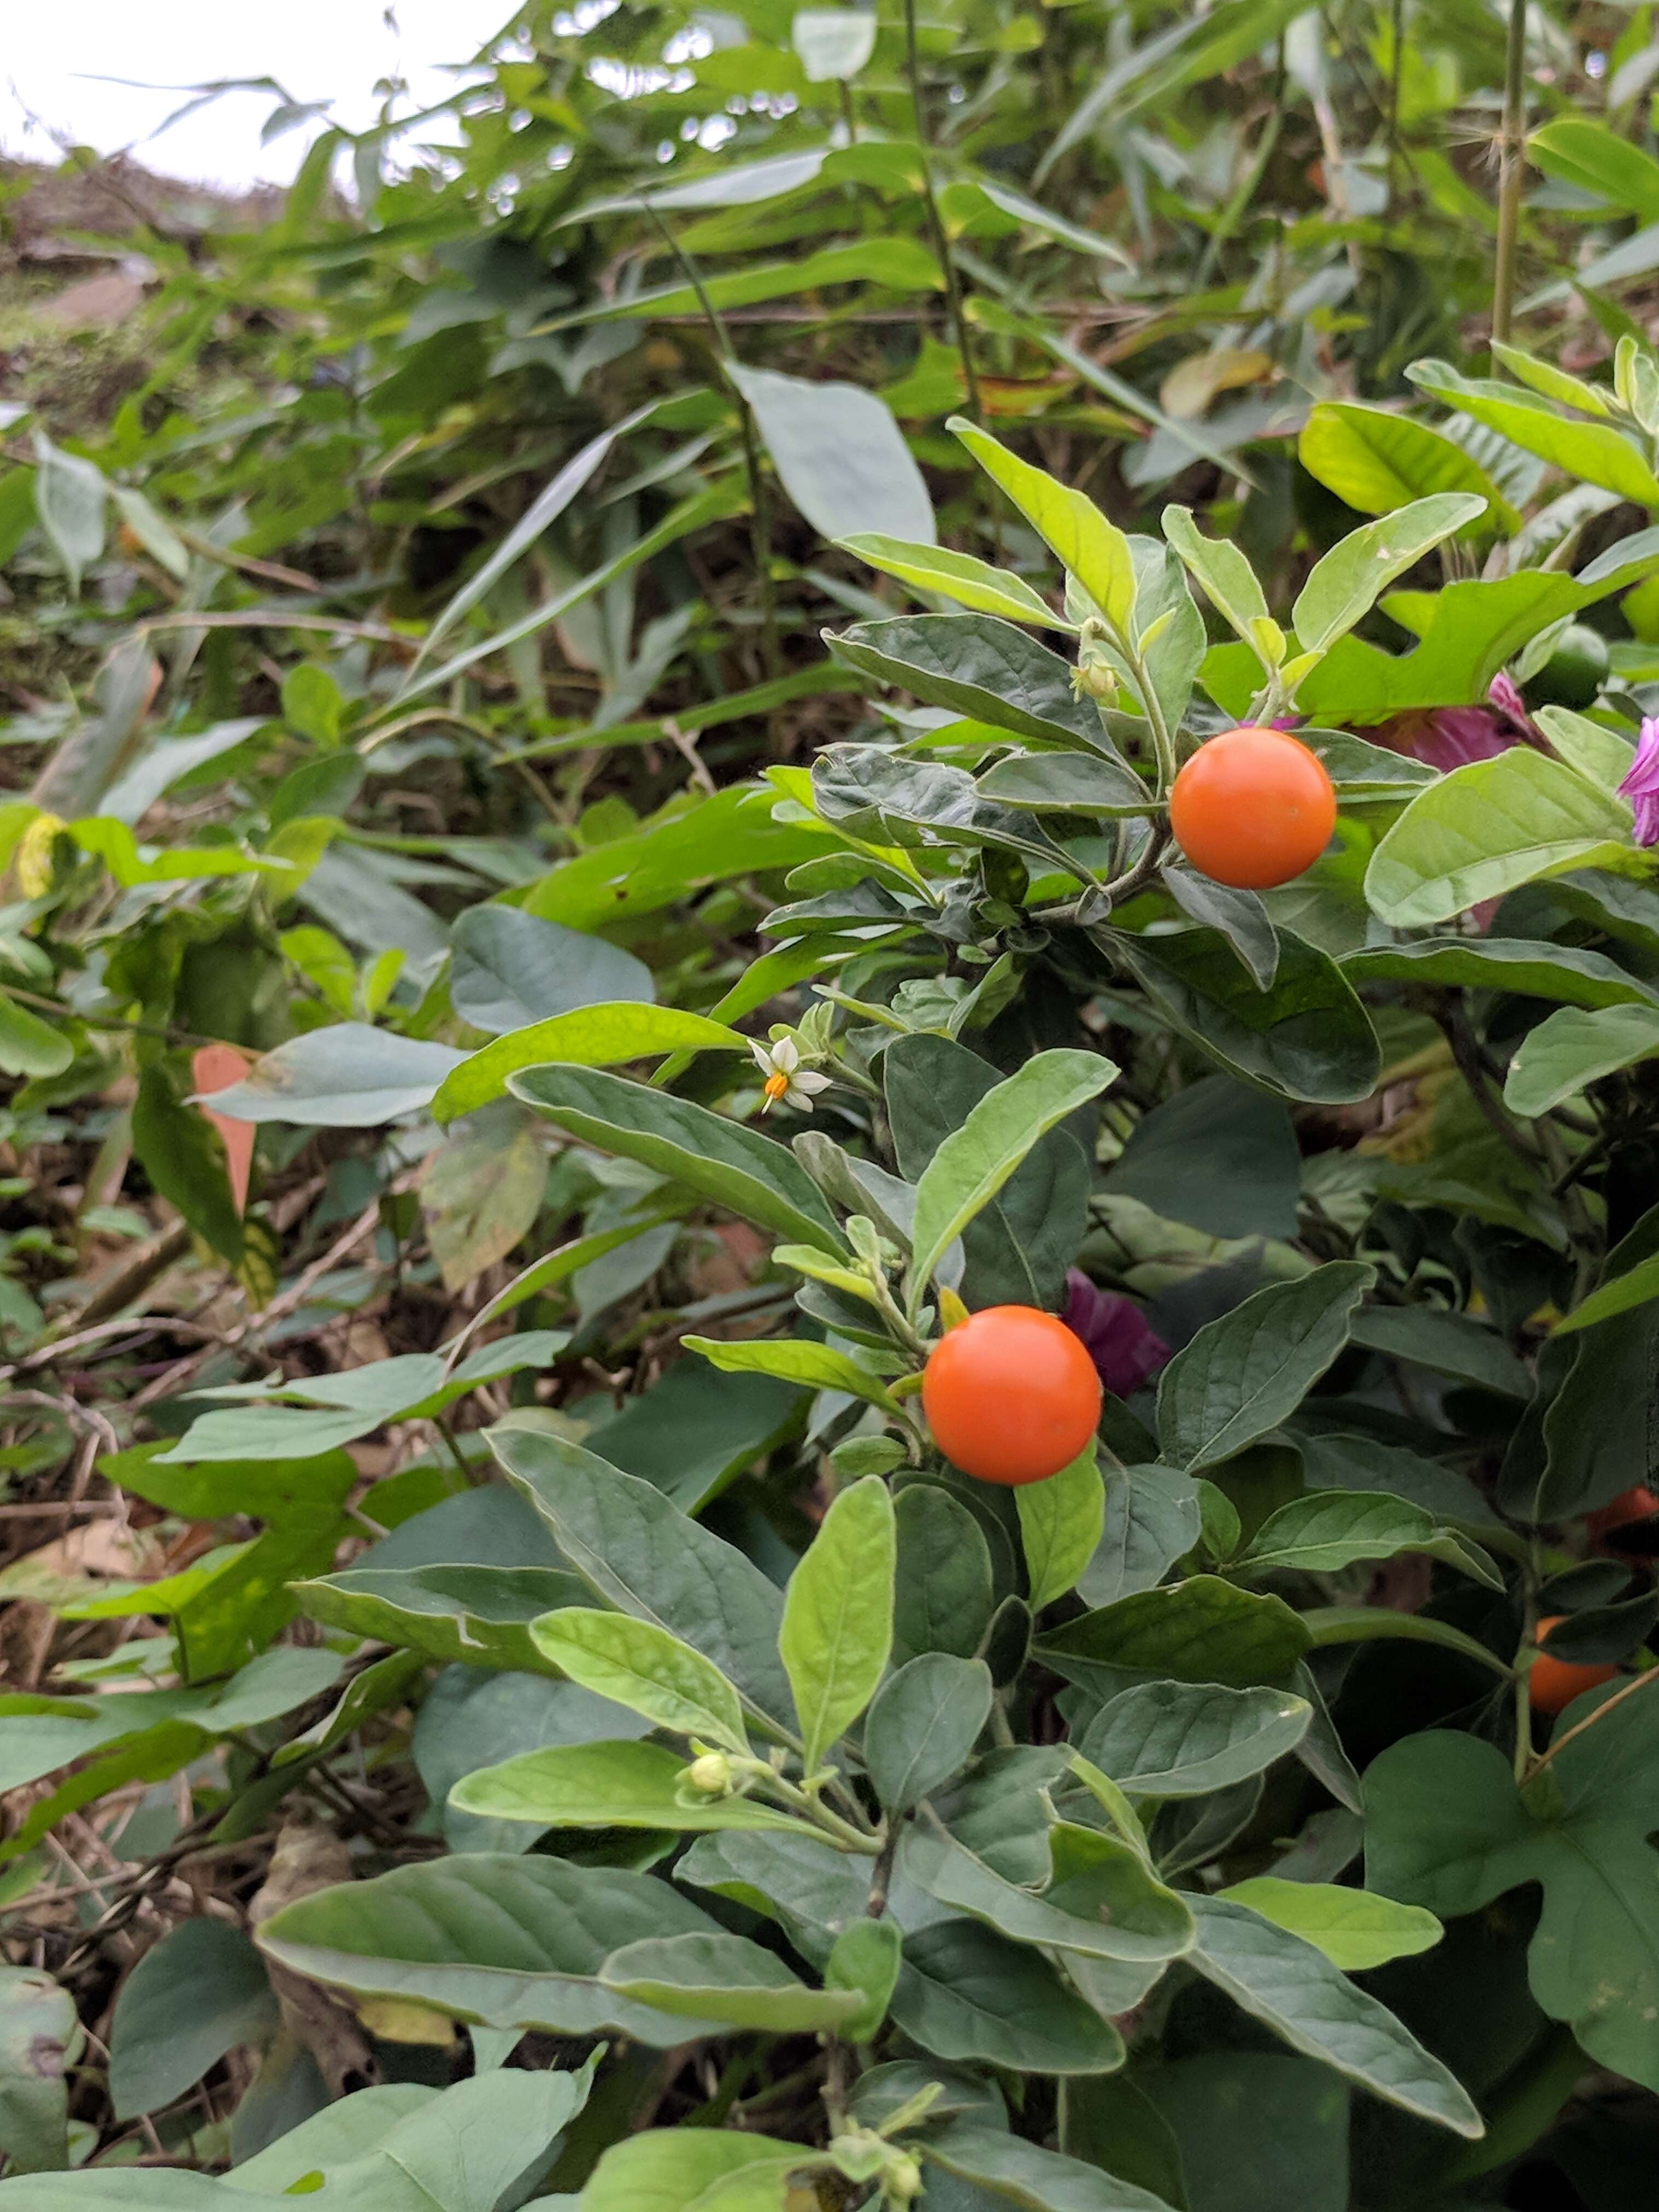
[(712, 1774), (903, 2179)]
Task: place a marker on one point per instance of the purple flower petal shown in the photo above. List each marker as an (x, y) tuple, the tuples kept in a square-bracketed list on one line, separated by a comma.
[(1115, 1333)]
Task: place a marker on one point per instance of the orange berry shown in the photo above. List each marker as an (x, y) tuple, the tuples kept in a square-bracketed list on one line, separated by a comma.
[(1252, 808), (1552, 1684), (1011, 1395)]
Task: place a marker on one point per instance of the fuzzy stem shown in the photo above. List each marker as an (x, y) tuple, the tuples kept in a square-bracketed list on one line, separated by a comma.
[(1512, 169)]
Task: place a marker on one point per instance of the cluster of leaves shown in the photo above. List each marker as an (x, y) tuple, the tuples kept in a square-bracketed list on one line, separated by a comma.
[(811, 1825)]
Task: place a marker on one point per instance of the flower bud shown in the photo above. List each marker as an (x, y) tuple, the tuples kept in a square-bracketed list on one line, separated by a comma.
[(904, 2179), (711, 1773)]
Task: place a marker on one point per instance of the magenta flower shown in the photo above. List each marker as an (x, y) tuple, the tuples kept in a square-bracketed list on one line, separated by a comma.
[(1641, 786), (1114, 1334), (1451, 737)]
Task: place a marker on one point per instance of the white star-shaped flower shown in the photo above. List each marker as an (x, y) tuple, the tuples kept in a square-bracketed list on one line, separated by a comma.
[(787, 1080)]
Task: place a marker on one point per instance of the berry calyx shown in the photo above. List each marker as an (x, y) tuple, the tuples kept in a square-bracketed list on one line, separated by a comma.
[(1011, 1395)]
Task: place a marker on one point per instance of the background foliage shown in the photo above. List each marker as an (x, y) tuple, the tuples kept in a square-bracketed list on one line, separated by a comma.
[(482, 625)]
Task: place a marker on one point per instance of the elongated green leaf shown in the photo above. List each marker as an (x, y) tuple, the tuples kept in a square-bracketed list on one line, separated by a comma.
[(978, 665), (1066, 783), (1061, 1524), (1348, 580), (1584, 152), (348, 1077), (1290, 1986), (1228, 581), (1111, 1906), (589, 1037), (509, 1941), (730, 1165), (1202, 1630), (1330, 1529), (1568, 973), (1362, 1624), (1006, 2169), (1355, 1928), (642, 1667), (605, 1785), (724, 1977), (899, 264), (838, 1615), (818, 1365), (1093, 550), (1241, 1375), (513, 968), (1183, 1740), (1378, 461), (1572, 1049), (841, 455), (193, 1997), (923, 1723), (639, 1553), (1635, 1287), (1485, 829), (1595, 453), (694, 2169), (972, 1165), (959, 576)]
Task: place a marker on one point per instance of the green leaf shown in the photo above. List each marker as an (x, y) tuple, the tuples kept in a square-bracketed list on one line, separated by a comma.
[(980, 667), (1455, 1344), (1595, 453), (1485, 829), (683, 2170), (1637, 1286), (898, 264), (1328, 1530), (1292, 1988), (642, 1667), (1447, 1828), (974, 1163), (964, 1992), (867, 1958), (674, 852), (1229, 583), (605, 1785), (1572, 1049), (194, 1995), (1017, 1249), (1066, 783), (838, 452), (638, 1551), (1566, 973), (1599, 755), (1307, 1039), (1347, 581), (347, 1077), (480, 1191), (1104, 1902), (877, 795), (723, 1977), (1183, 1740), (1061, 1524), (29, 1046), (833, 42), (1014, 2172), (819, 1366), (70, 495), (513, 968), (1355, 1928), (1203, 1630), (589, 1037), (837, 1627), (1240, 1375), (959, 576), (1152, 1517), (1377, 461), (1092, 548), (1583, 152), (1362, 1624), (946, 1594), (506, 1940), (38, 2025), (1218, 1156), (922, 1726), (721, 1161)]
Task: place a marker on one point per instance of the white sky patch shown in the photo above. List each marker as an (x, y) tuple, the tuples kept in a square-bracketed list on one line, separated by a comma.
[(53, 60)]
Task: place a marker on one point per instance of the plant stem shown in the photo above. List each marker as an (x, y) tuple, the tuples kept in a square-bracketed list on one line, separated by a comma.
[(760, 506), (1511, 170), (1578, 1728), (935, 220)]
